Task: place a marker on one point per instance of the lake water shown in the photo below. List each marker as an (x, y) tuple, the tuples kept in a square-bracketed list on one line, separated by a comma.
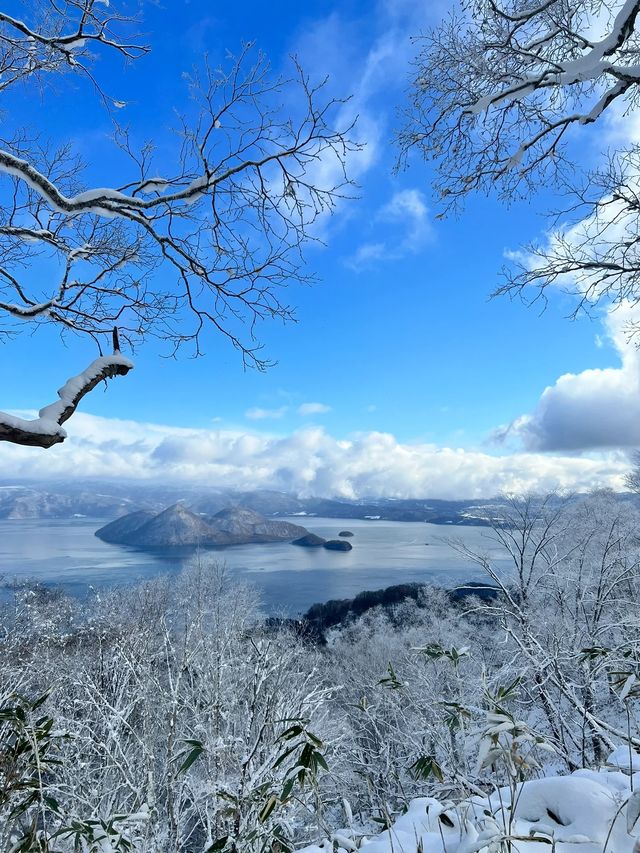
[(290, 578)]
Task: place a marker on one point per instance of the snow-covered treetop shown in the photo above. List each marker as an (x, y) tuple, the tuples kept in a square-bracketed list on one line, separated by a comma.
[(502, 93)]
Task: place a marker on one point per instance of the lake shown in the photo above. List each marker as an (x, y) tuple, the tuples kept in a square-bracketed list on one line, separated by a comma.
[(290, 578)]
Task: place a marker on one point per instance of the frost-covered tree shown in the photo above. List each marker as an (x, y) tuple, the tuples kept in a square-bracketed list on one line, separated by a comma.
[(569, 613), (501, 93), (180, 723), (201, 238), (632, 480)]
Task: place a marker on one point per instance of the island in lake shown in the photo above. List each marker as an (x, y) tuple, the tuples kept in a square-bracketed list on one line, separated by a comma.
[(178, 527)]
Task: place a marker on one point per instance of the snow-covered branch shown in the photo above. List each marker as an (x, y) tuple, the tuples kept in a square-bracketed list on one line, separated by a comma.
[(500, 99), (227, 218), (497, 89), (59, 39), (46, 430), (205, 239), (594, 251)]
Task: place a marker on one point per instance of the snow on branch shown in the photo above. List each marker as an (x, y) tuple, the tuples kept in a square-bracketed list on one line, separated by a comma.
[(60, 40), (46, 430), (227, 217), (593, 252), (590, 65), (203, 240), (496, 92)]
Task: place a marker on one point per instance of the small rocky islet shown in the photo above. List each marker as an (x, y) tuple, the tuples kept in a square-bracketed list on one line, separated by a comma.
[(338, 545), (313, 541), (310, 540)]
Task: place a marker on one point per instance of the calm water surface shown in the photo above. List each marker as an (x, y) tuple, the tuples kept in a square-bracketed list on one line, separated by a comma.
[(290, 578)]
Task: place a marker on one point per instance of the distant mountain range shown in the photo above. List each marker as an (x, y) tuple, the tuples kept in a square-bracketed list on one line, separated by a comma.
[(178, 527), (102, 500)]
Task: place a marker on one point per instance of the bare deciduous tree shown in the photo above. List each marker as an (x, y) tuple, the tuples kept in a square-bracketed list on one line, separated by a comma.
[(632, 480), (500, 90), (498, 87), (205, 241)]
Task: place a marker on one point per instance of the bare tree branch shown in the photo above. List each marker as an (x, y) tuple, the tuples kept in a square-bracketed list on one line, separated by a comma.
[(500, 90), (498, 87), (593, 253), (205, 241)]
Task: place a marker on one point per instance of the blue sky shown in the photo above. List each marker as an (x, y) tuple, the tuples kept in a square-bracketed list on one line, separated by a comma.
[(397, 339)]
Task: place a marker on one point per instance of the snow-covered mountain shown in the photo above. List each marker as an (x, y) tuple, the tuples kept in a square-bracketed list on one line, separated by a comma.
[(112, 499)]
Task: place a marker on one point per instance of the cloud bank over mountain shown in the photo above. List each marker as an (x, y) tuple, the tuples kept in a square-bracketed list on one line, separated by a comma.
[(307, 462)]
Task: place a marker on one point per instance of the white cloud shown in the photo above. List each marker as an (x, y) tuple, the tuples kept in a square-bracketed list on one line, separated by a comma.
[(594, 409), (409, 209), (313, 409), (259, 414), (407, 204), (405, 228), (366, 60), (308, 462), (621, 126), (329, 50), (366, 254)]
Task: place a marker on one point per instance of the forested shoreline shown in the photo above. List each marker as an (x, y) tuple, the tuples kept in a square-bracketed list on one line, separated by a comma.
[(323, 617)]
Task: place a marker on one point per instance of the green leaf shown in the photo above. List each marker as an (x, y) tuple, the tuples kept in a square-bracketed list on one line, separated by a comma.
[(193, 755), (291, 732), (218, 845), (391, 681), (425, 766), (287, 789), (284, 756), (593, 652), (53, 804), (268, 808), (320, 760), (509, 691)]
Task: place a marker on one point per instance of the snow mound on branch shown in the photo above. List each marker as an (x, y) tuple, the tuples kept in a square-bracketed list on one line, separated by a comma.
[(580, 813), (48, 423)]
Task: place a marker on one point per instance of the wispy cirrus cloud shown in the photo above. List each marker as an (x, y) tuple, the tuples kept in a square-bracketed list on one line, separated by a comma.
[(365, 59), (256, 413), (403, 226), (313, 409)]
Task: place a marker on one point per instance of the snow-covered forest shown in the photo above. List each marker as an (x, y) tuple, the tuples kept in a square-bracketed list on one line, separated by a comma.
[(172, 716)]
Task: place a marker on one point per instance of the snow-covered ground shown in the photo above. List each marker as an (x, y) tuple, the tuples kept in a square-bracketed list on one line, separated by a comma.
[(586, 812)]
